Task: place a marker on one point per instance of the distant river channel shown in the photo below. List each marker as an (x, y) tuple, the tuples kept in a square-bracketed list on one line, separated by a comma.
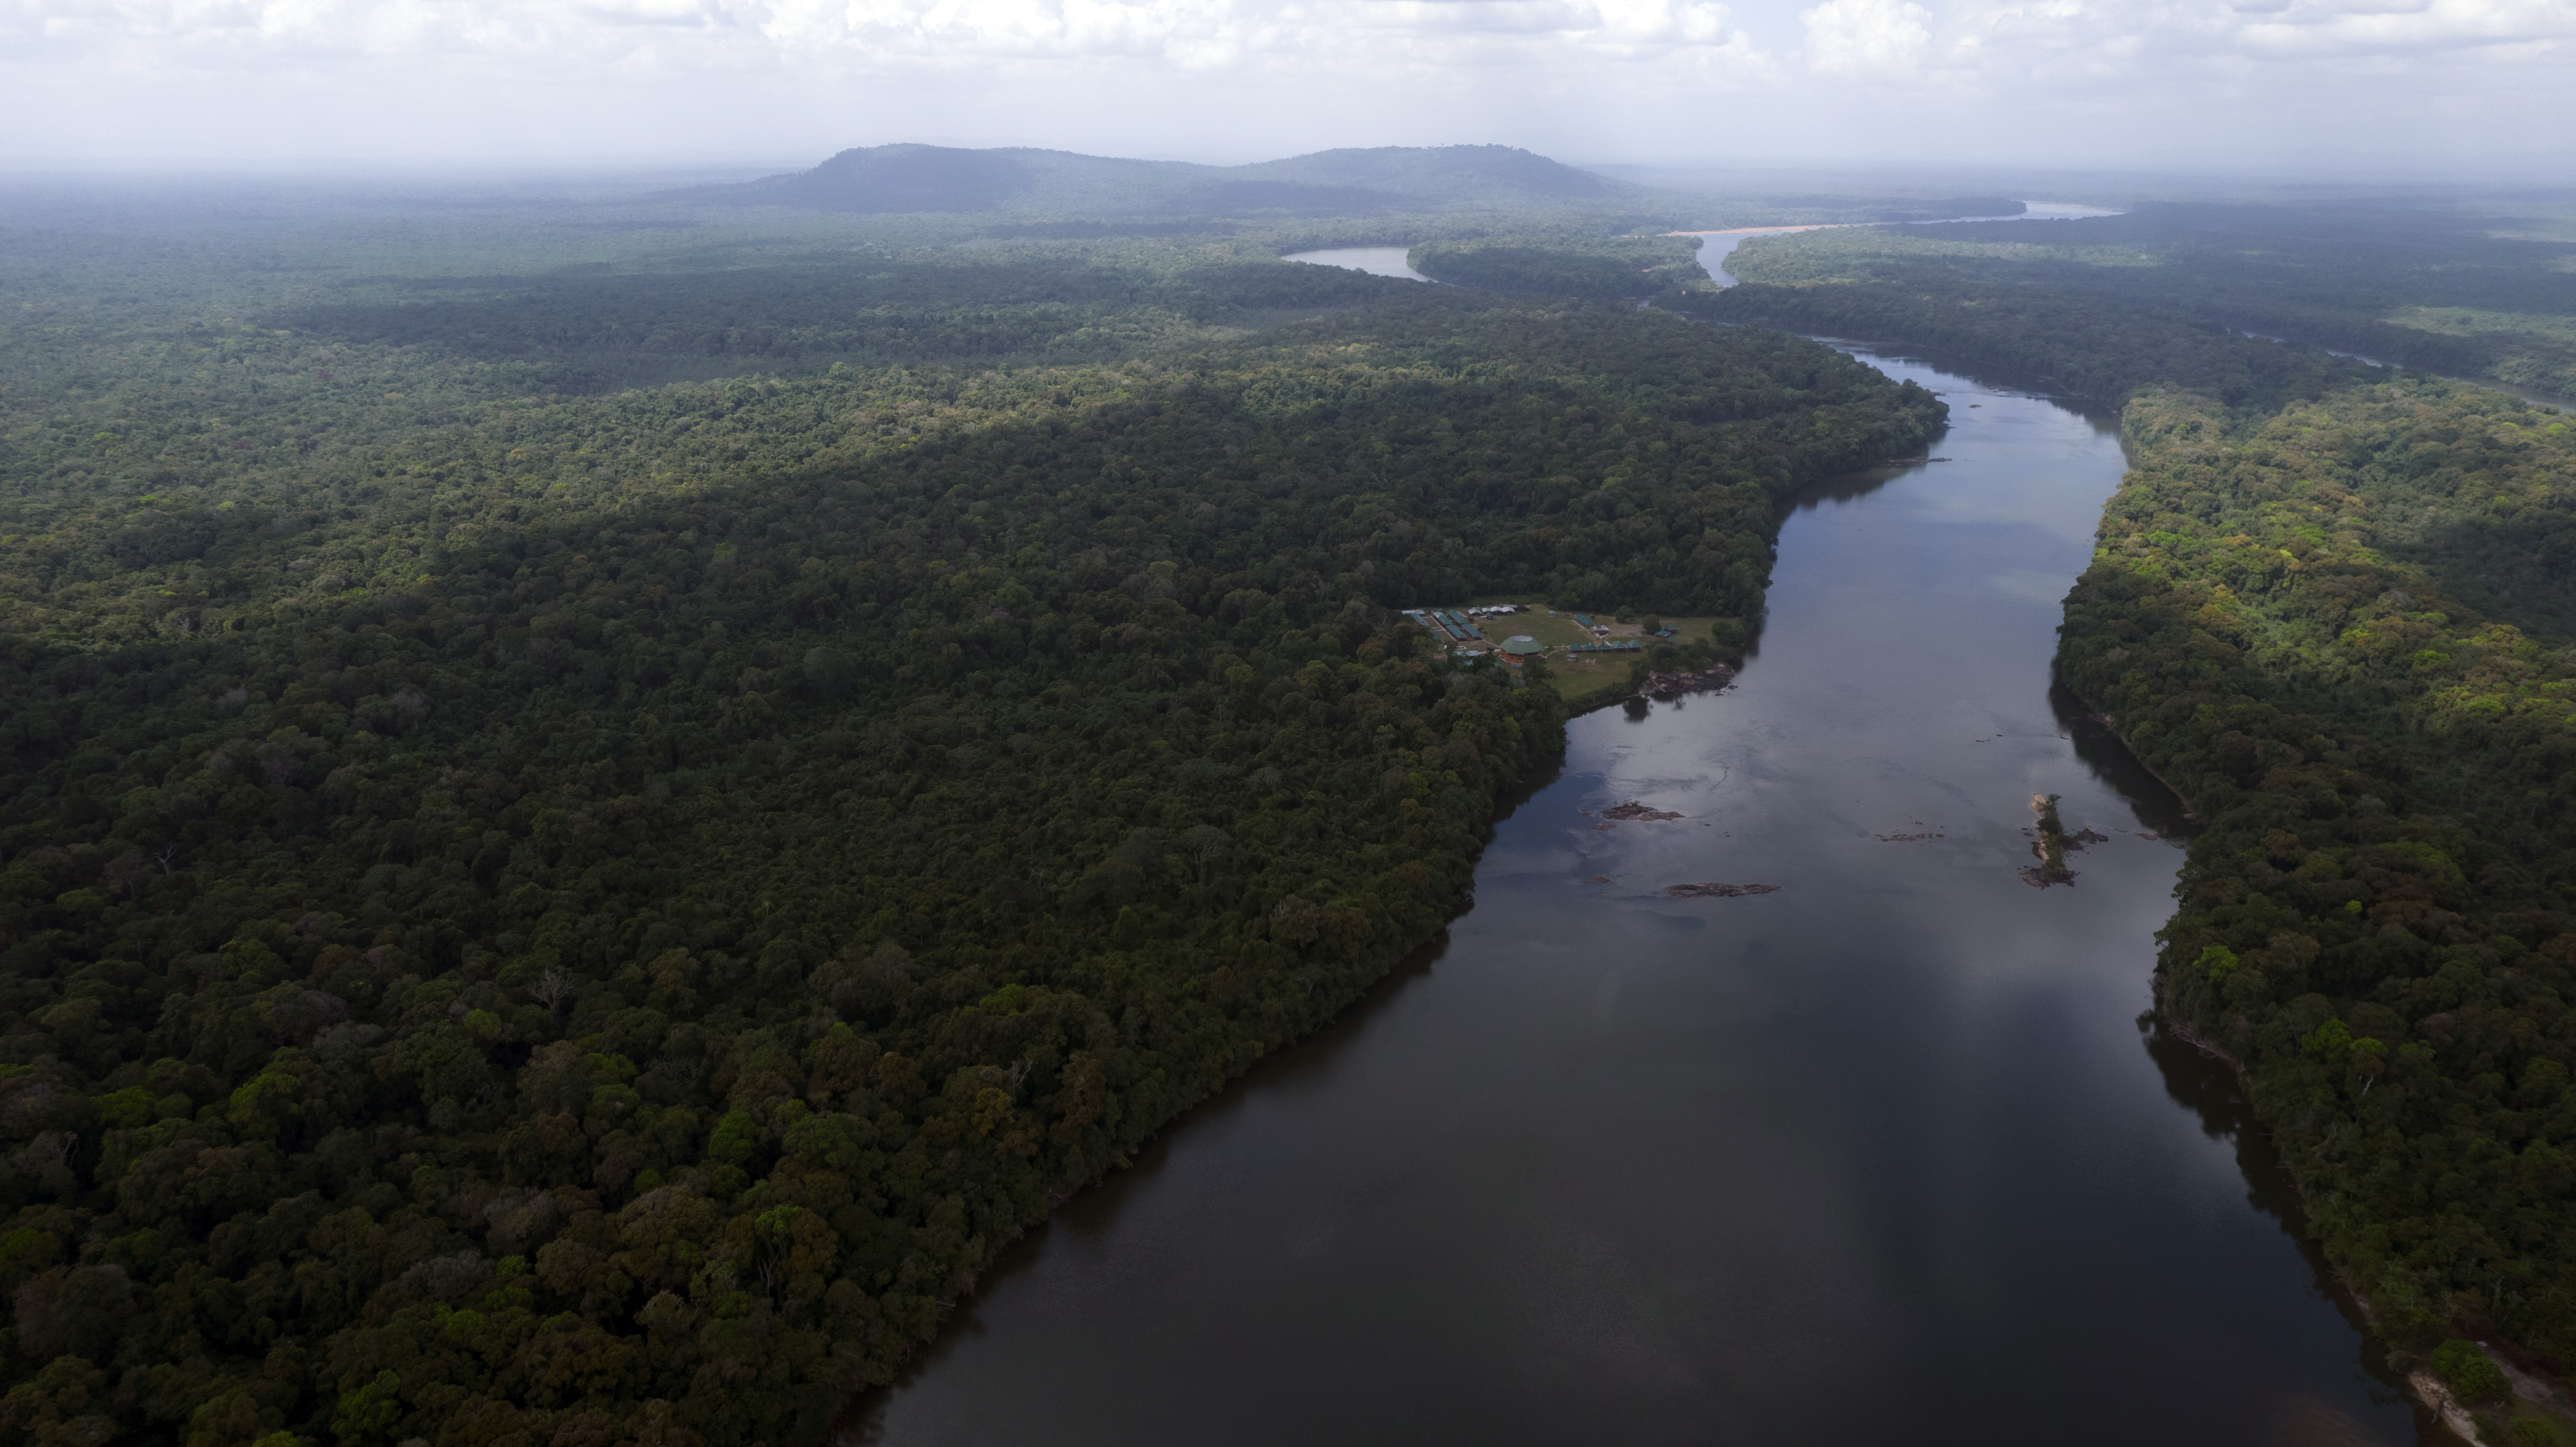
[(1375, 260), (1892, 1155)]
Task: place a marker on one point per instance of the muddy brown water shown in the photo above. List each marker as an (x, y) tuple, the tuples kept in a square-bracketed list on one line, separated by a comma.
[(1889, 1155)]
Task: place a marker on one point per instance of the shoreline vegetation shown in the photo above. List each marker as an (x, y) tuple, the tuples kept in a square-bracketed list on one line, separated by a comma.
[(2190, 812), (596, 816), (1672, 655), (2317, 610), (2377, 281), (561, 885), (2049, 846)]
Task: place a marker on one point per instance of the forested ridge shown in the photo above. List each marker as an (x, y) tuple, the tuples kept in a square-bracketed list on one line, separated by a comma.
[(567, 915), (2334, 606)]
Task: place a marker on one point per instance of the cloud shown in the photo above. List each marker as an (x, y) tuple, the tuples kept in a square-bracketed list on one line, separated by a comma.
[(1240, 79), (1350, 36), (1866, 37), (2135, 35), (1190, 33), (2399, 26), (1860, 39)]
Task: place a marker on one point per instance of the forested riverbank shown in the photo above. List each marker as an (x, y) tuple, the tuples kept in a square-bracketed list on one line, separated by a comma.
[(2466, 291), (1664, 270), (599, 804), (1646, 1103), (546, 910), (2333, 605)]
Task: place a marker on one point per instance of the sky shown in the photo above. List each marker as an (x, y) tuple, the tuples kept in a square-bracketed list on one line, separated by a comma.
[(2413, 88)]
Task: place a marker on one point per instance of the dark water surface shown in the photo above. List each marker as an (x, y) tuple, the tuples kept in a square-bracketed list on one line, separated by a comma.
[(1887, 1156)]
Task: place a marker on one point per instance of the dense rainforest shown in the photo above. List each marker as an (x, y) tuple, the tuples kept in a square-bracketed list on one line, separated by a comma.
[(2334, 606), (2449, 289), (1659, 269), (542, 911)]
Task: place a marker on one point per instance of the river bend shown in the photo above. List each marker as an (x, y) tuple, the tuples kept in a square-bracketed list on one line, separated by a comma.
[(1889, 1155)]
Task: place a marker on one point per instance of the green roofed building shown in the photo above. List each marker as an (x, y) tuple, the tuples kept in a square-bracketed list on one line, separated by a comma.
[(1520, 647)]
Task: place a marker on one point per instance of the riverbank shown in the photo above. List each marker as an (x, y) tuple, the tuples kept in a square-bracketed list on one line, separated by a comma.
[(2438, 1404), (2533, 1396), (1897, 287), (1588, 681), (2111, 726), (2343, 779), (1654, 687), (1604, 1163)]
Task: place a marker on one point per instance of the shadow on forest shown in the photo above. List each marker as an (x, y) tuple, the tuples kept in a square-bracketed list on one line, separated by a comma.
[(2524, 575), (603, 333)]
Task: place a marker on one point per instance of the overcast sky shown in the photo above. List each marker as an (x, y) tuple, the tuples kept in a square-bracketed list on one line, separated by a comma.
[(2257, 84)]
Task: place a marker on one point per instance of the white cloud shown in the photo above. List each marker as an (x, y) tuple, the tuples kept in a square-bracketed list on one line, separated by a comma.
[(1240, 79), (2129, 34), (2399, 26), (1867, 37), (1350, 36), (1196, 33), (1840, 37)]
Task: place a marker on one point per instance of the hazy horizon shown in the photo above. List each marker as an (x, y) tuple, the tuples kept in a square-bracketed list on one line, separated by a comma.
[(2413, 89), (2322, 176)]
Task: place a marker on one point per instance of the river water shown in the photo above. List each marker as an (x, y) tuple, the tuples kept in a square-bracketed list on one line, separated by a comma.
[(1886, 1156), (1716, 246), (1375, 260)]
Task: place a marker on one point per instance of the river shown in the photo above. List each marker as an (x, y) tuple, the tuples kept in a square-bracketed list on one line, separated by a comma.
[(1375, 260), (1890, 1155), (1716, 246), (2534, 396)]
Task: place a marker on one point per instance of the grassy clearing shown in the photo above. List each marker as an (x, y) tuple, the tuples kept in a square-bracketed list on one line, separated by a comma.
[(1583, 682)]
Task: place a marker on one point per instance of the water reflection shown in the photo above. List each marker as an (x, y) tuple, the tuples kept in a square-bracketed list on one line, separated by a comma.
[(1849, 487), (2154, 808), (1716, 246), (1877, 1157), (1375, 260), (1088, 1219), (2207, 1086)]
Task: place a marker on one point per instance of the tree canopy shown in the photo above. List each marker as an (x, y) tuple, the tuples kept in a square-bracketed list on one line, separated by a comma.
[(2335, 606), (539, 910)]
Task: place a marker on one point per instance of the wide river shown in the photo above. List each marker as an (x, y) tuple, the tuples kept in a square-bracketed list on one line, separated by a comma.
[(1888, 1156)]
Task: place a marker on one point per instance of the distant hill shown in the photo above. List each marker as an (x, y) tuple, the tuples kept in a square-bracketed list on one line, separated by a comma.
[(1447, 173), (892, 178), (914, 178)]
